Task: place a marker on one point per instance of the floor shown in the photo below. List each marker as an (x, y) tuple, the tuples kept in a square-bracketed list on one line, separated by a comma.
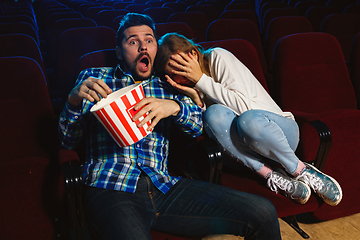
[(346, 228)]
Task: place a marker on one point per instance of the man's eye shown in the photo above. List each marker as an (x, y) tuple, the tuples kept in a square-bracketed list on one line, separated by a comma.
[(132, 42), (149, 41)]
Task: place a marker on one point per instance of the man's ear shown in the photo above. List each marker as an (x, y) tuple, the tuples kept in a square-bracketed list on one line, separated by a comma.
[(119, 53)]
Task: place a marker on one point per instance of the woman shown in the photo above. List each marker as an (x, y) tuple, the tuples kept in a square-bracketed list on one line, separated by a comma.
[(242, 117)]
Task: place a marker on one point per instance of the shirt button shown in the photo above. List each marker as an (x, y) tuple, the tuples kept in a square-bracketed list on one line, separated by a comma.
[(76, 117), (138, 145), (181, 120), (139, 164)]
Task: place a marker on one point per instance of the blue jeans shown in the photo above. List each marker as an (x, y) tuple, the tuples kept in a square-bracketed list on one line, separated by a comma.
[(254, 137), (190, 208)]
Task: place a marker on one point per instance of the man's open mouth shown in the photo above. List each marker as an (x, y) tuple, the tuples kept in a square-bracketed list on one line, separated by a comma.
[(144, 63)]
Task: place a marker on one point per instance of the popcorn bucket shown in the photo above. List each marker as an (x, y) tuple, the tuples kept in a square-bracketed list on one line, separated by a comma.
[(115, 113)]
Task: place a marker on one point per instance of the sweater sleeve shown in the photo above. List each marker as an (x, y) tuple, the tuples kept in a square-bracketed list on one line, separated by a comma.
[(231, 82)]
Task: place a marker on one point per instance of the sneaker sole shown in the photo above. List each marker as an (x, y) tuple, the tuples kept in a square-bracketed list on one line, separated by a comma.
[(331, 203)]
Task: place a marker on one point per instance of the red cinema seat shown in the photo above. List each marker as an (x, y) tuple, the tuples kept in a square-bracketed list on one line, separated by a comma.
[(310, 70)]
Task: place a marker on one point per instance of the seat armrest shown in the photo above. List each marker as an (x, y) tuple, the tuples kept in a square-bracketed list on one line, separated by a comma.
[(323, 132), (67, 155), (214, 155), (70, 194)]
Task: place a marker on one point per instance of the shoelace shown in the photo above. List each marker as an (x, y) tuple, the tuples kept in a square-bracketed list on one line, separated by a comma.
[(313, 181), (275, 181)]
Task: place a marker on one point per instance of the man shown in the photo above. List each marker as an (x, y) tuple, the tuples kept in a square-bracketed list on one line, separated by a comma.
[(129, 190)]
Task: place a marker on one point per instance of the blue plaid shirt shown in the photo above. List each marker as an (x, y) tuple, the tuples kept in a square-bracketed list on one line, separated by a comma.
[(112, 167)]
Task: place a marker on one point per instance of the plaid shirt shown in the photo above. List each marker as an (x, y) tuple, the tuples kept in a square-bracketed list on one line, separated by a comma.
[(112, 167)]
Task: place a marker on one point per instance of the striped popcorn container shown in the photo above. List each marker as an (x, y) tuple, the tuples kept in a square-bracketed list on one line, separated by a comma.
[(115, 113)]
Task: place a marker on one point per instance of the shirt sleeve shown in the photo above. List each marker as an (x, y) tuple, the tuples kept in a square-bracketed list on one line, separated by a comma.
[(189, 119), (71, 121)]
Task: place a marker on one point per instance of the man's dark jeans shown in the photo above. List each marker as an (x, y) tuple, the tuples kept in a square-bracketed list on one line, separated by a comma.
[(190, 208)]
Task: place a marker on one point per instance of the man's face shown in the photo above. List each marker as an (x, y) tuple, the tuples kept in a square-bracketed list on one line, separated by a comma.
[(138, 50)]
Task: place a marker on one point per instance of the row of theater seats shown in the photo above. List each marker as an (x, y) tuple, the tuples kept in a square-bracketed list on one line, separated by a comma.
[(201, 27), (339, 114), (308, 76)]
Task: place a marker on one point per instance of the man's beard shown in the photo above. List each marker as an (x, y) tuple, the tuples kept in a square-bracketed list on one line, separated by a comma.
[(134, 72)]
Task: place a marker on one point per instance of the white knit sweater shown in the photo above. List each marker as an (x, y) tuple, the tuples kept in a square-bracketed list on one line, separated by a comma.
[(233, 85)]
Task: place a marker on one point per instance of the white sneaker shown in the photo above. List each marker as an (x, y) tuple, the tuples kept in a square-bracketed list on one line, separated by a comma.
[(288, 187), (323, 185)]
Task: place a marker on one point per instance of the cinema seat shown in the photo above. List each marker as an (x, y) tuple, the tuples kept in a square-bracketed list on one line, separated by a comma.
[(313, 82), (30, 158)]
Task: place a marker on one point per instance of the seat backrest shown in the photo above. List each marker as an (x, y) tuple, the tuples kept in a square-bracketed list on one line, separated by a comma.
[(259, 4), (21, 45), (58, 28), (273, 13), (240, 6), (93, 11), (176, 6), (239, 14), (268, 5), (339, 4), (72, 47), (344, 27), (82, 8), (317, 14), (155, 3), (46, 12), (26, 111), (352, 8), (108, 3), (222, 29), (137, 8), (26, 12), (280, 27), (17, 18), (58, 16), (303, 6), (121, 5), (101, 58), (19, 27), (354, 67), (179, 27), (220, 5), (310, 74), (106, 17), (196, 20), (245, 52), (159, 14), (209, 10), (116, 21)]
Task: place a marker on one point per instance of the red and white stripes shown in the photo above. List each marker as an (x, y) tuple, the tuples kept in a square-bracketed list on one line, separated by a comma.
[(116, 117)]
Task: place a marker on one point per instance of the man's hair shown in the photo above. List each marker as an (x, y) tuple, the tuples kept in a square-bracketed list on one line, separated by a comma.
[(131, 20)]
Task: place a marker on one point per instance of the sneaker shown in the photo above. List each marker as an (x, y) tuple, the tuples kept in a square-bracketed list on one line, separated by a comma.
[(290, 188), (323, 185)]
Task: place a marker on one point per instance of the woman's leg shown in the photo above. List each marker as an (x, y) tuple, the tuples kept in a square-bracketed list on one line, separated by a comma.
[(271, 135), (254, 136), (220, 124)]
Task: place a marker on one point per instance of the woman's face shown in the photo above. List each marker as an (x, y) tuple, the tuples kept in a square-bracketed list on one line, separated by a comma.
[(177, 78)]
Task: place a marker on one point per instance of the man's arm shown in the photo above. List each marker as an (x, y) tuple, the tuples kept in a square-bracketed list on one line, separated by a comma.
[(187, 114), (71, 121), (157, 109)]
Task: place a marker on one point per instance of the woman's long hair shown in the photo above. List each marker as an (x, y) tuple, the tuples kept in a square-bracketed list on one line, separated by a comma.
[(172, 43)]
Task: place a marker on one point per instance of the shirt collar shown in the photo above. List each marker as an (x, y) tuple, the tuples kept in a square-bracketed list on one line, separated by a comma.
[(120, 73)]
